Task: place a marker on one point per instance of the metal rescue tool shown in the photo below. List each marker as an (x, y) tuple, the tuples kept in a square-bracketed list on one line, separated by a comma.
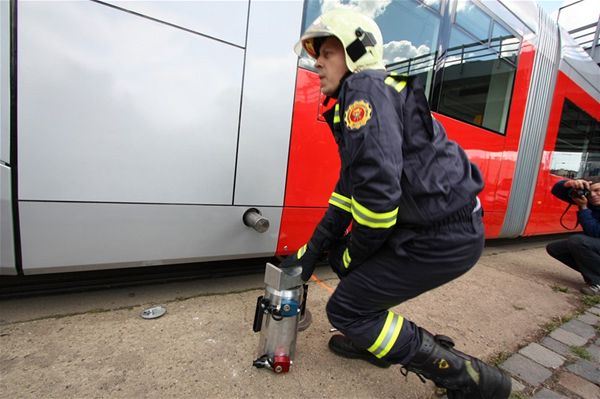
[(277, 315)]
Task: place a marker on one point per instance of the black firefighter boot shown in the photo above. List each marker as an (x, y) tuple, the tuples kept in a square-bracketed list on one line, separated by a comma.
[(342, 346), (463, 376)]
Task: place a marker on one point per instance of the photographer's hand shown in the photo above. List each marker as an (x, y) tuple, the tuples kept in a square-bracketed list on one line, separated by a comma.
[(578, 184), (581, 202)]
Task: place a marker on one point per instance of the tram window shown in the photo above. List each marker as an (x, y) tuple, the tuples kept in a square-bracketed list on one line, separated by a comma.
[(473, 20), (504, 42), (410, 30), (577, 150), (477, 78), (410, 33)]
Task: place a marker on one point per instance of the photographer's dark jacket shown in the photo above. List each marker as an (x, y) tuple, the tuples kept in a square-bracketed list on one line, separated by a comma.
[(589, 219)]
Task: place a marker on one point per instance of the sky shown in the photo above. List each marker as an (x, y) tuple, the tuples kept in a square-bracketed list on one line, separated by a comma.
[(550, 5), (577, 13)]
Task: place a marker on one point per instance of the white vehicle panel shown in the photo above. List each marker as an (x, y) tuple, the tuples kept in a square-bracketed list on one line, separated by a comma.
[(267, 103), (577, 64), (58, 237), (225, 20), (116, 107), (505, 11), (4, 82), (525, 11), (7, 247)]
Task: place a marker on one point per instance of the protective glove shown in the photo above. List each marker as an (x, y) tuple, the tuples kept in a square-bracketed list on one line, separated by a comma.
[(339, 257), (306, 257)]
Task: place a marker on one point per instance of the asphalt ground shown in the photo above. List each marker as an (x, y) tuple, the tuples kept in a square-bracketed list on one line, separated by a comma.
[(96, 344)]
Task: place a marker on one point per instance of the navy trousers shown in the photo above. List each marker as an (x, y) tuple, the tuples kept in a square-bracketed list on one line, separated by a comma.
[(580, 252), (413, 262)]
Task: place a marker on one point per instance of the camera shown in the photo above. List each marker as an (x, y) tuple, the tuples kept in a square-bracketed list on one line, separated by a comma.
[(580, 192)]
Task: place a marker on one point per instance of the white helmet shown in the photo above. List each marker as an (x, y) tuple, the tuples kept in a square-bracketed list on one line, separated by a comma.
[(359, 34)]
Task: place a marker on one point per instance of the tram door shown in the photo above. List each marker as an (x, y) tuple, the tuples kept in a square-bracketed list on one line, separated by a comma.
[(146, 129)]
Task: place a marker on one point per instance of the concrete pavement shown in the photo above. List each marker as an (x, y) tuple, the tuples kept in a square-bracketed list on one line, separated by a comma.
[(95, 344)]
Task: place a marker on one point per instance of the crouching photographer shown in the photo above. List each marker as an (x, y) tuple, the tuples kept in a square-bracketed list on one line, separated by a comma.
[(581, 252)]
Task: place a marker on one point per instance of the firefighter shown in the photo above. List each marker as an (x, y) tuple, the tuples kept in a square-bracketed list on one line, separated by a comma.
[(410, 197)]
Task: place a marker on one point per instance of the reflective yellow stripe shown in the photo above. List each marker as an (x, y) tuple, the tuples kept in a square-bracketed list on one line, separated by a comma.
[(340, 201), (301, 251), (372, 219), (346, 258), (394, 337), (472, 372), (383, 333), (388, 335), (399, 86), (336, 114)]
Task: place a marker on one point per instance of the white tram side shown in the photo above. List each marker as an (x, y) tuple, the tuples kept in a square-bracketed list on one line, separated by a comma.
[(141, 133)]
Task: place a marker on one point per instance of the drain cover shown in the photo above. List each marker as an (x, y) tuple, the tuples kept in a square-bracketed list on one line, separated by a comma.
[(154, 313)]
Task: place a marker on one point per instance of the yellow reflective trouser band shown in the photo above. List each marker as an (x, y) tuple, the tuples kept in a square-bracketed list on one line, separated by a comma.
[(340, 201), (388, 336), (346, 258), (471, 371), (399, 86), (336, 114), (372, 219), (301, 251)]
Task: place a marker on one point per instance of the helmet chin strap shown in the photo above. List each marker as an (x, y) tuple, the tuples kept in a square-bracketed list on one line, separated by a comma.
[(358, 47)]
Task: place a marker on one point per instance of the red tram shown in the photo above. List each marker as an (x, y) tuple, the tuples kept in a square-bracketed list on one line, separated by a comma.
[(143, 133), (553, 119)]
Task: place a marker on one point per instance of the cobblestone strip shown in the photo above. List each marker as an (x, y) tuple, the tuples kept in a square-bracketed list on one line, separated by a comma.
[(564, 364)]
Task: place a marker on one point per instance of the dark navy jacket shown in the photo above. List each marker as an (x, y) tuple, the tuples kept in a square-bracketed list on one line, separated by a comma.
[(589, 219), (398, 168)]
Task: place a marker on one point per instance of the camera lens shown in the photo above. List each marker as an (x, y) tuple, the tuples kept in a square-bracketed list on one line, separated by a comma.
[(578, 193)]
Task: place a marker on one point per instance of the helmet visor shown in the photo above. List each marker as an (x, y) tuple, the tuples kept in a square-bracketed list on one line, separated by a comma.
[(307, 41)]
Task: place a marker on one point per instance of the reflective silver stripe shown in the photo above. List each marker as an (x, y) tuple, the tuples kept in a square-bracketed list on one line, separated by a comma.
[(373, 219), (388, 336), (340, 201), (478, 205)]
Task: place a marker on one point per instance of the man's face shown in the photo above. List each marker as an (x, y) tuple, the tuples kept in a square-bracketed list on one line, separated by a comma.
[(331, 65), (594, 197)]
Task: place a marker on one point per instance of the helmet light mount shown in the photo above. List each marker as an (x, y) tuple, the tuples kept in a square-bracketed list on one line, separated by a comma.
[(358, 47)]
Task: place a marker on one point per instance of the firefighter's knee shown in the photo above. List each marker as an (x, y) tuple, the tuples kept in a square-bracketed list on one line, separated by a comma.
[(338, 317)]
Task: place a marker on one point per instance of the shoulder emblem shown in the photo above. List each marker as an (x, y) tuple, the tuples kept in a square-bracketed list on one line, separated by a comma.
[(357, 114)]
